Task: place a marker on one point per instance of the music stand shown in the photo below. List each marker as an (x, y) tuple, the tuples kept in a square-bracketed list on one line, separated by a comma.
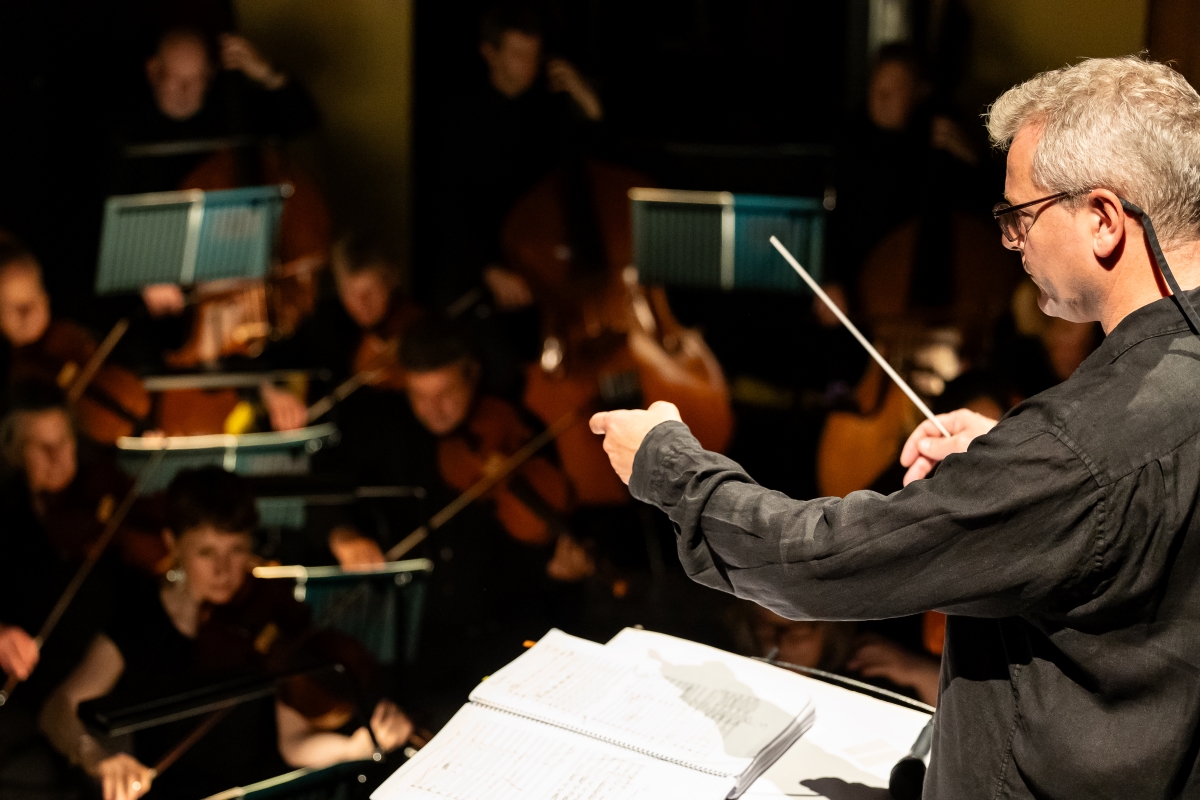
[(268, 453), (380, 607), (188, 237), (719, 240)]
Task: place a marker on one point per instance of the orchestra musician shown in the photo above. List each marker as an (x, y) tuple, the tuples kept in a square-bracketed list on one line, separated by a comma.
[(506, 135), (198, 90), (37, 346), (1062, 541), (53, 508), (208, 619)]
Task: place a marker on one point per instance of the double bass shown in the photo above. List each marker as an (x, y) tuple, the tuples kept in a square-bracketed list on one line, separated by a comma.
[(606, 338)]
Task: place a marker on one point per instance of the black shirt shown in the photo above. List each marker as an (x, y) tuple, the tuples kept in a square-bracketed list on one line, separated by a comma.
[(1064, 544), (234, 106), (33, 574), (494, 150), (160, 661)]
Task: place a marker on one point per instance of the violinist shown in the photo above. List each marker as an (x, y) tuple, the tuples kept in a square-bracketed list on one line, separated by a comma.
[(40, 347), (199, 89), (52, 510), (206, 620), (1062, 541), (360, 318)]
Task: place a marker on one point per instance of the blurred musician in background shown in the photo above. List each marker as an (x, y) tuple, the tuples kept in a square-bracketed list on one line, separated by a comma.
[(206, 621), (507, 134), (200, 90), (499, 139), (360, 318), (53, 509), (901, 148), (37, 346)]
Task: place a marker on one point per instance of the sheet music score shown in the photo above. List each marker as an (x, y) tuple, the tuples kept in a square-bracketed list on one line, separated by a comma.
[(702, 716), (486, 753), (855, 741)]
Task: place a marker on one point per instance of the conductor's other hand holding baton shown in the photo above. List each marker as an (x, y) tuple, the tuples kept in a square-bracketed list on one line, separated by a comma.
[(927, 446), (623, 432)]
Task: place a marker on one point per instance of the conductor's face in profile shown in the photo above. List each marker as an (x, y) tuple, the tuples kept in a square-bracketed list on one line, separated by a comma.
[(1068, 245)]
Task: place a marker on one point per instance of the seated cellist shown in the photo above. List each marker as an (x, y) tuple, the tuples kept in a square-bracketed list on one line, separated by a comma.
[(207, 620)]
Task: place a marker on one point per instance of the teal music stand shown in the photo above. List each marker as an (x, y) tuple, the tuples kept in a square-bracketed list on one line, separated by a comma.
[(188, 237)]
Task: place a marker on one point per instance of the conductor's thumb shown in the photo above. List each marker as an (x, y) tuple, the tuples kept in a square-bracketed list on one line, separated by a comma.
[(599, 422)]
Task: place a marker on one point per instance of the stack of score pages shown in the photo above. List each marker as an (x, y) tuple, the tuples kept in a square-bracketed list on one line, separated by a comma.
[(645, 716)]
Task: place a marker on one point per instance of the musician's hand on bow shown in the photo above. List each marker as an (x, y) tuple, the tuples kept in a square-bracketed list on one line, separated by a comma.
[(926, 446), (164, 299), (509, 289), (624, 431), (561, 76), (123, 777), (286, 411), (237, 53), (571, 562), (353, 550), (18, 652), (392, 728)]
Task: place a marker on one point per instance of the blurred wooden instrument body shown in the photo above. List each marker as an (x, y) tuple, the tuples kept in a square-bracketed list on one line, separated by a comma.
[(238, 317), (930, 343), (603, 333), (109, 403)]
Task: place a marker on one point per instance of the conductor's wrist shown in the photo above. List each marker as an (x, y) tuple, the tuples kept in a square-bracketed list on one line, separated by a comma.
[(649, 461)]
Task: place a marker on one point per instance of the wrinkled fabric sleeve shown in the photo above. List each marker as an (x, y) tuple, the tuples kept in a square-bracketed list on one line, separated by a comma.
[(1012, 522)]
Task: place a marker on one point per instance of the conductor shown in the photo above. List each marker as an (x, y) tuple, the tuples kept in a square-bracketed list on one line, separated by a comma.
[(1063, 540)]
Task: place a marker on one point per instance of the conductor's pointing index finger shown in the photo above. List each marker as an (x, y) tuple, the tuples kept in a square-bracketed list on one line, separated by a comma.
[(599, 422)]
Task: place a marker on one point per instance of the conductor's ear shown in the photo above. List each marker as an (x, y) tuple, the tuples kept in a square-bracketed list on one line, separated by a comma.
[(1107, 220)]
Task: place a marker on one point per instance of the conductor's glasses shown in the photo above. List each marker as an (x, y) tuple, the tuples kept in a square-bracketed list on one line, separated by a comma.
[(1015, 225)]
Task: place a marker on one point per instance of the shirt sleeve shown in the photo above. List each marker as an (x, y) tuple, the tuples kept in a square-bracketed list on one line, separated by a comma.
[(1006, 525)]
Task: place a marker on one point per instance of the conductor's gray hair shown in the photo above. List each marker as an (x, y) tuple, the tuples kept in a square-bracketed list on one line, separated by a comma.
[(1124, 124)]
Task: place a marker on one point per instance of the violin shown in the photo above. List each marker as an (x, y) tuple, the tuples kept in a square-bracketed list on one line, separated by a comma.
[(111, 402), (606, 338), (378, 353), (530, 501)]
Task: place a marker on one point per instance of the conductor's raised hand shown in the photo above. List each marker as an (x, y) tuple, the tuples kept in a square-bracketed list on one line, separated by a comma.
[(926, 446), (623, 432)]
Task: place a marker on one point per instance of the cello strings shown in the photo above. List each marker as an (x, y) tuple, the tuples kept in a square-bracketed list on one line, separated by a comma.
[(879, 359)]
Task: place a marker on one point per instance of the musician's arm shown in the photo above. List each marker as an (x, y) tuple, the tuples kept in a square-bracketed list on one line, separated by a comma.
[(303, 745), (121, 776), (997, 528)]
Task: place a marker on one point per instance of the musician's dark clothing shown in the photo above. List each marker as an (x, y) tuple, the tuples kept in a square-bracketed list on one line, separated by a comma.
[(495, 149), (1064, 544), (160, 661), (32, 576), (235, 106)]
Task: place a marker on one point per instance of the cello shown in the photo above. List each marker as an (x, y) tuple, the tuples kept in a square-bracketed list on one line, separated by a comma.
[(604, 335), (931, 292)]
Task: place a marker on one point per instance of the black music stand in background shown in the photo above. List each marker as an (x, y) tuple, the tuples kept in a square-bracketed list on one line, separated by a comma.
[(188, 237)]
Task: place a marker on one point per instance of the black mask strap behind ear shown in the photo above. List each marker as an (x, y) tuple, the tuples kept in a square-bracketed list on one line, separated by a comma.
[(1181, 299)]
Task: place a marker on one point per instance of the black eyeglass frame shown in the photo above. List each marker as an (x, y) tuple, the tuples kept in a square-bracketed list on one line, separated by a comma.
[(1003, 208)]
